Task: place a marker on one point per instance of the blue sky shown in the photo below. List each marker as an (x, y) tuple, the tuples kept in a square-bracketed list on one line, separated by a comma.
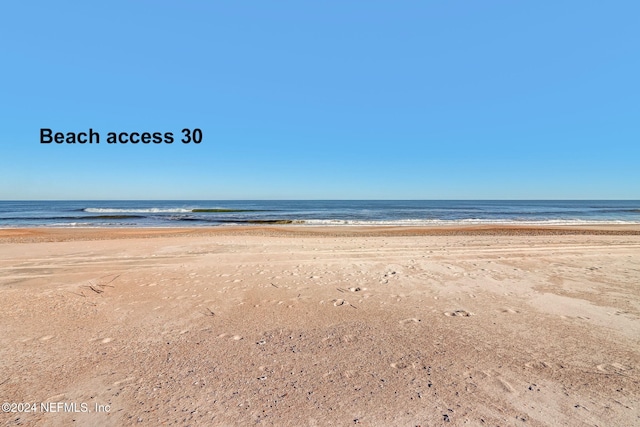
[(323, 100)]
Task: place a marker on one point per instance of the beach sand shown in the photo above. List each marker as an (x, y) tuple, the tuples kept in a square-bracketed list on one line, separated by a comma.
[(322, 326)]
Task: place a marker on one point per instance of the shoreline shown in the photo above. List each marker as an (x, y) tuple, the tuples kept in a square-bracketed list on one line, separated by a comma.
[(55, 234)]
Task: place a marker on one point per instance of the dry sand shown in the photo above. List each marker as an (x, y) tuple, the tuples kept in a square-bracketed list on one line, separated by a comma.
[(321, 326)]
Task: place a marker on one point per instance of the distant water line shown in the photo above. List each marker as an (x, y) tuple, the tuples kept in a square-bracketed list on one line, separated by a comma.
[(192, 213)]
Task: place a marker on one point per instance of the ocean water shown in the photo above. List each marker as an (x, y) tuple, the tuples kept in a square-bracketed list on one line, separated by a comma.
[(190, 213)]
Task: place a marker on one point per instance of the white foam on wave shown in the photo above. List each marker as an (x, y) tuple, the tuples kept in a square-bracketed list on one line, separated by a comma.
[(442, 222), (69, 224), (129, 210)]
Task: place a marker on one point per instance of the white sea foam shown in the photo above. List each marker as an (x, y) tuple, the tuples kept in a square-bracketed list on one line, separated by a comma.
[(149, 210), (442, 222)]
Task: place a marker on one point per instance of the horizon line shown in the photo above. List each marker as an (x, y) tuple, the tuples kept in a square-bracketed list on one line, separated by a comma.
[(315, 200)]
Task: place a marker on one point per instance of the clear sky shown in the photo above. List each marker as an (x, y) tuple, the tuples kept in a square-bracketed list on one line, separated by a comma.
[(323, 99)]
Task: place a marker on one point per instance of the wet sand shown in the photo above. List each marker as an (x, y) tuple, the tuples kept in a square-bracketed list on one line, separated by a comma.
[(294, 325)]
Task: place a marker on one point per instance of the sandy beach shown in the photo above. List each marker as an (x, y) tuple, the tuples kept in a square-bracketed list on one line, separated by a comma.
[(294, 325)]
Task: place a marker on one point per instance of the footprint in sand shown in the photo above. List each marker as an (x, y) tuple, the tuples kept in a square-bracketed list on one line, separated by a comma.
[(496, 379), (102, 340), (504, 384), (339, 302), (124, 381), (509, 310), (619, 313), (233, 337), (46, 338), (613, 367), (399, 365), (537, 364), (56, 398), (458, 313), (349, 338), (349, 374)]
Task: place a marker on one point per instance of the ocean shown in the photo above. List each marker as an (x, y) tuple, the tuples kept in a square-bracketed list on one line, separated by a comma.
[(190, 213)]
